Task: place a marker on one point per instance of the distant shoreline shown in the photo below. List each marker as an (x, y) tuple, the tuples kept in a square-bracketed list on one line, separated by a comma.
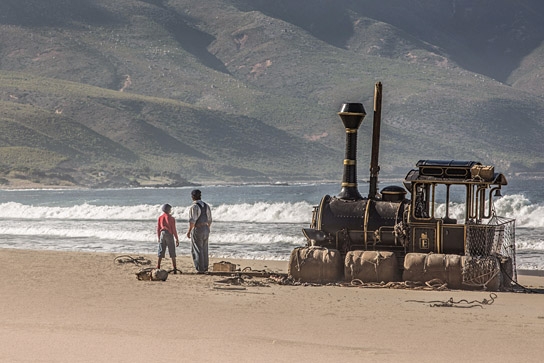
[(15, 184), (19, 184)]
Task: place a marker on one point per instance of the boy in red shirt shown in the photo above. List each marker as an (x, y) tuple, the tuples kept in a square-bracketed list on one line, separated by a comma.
[(166, 232)]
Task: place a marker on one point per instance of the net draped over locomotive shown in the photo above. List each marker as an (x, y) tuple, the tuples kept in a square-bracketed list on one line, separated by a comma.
[(412, 225)]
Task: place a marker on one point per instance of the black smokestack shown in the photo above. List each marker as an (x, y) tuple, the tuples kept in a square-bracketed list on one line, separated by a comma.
[(352, 114)]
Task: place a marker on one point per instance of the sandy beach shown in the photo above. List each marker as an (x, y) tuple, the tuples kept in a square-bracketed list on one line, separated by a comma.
[(84, 307)]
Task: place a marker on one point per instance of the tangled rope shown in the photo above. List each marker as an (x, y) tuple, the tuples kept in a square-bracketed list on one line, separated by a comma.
[(457, 304), (240, 281), (140, 260), (249, 269), (434, 284)]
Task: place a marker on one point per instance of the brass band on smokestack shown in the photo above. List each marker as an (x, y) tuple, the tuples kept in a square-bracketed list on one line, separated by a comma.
[(352, 114)]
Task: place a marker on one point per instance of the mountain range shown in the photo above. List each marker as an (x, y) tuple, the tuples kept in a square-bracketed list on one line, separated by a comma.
[(171, 92)]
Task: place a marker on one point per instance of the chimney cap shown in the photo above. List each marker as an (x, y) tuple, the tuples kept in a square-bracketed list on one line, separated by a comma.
[(352, 108), (352, 114)]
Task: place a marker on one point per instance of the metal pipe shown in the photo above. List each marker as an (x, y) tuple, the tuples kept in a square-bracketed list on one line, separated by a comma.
[(490, 209), (448, 200), (374, 166)]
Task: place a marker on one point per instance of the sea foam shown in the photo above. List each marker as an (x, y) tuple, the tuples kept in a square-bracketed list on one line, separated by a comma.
[(259, 212)]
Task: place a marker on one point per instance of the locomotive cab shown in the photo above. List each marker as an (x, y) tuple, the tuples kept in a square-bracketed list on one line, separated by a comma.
[(449, 200)]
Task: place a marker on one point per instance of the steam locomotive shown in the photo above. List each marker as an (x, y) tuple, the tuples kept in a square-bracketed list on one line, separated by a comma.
[(386, 236)]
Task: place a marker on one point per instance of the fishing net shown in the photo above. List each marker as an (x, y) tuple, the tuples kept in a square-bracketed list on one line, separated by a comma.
[(490, 248)]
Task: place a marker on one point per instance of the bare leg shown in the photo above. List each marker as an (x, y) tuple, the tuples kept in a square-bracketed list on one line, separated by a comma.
[(159, 262)]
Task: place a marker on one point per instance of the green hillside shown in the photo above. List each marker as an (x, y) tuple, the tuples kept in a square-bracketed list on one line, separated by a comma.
[(102, 93)]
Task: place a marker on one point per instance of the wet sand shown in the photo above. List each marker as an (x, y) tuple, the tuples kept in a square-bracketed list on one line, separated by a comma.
[(84, 307)]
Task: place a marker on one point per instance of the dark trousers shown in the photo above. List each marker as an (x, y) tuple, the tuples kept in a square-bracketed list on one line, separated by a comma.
[(199, 247)]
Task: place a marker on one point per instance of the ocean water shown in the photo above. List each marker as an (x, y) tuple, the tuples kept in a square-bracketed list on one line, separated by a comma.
[(250, 221)]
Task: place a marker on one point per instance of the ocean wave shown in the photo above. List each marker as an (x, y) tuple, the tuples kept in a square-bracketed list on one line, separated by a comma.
[(83, 211), (52, 232), (141, 234), (529, 244), (256, 239), (259, 212), (517, 206), (526, 213)]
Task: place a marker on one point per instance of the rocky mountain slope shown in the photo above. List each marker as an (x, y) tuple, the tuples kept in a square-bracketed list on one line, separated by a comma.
[(132, 92)]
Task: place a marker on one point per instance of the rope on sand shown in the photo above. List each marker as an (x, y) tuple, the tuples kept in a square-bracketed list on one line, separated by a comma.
[(140, 260), (240, 281), (458, 304)]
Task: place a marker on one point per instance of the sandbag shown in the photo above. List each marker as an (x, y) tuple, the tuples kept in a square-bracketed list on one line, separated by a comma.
[(459, 272), (316, 265), (371, 266), (423, 267), (482, 172)]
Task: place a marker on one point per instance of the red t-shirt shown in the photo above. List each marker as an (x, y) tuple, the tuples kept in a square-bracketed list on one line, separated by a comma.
[(168, 223)]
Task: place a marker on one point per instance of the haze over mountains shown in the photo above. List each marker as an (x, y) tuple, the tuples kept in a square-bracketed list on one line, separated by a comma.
[(128, 92)]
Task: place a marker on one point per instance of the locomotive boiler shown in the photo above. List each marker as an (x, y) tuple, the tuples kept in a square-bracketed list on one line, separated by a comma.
[(349, 221), (386, 237)]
